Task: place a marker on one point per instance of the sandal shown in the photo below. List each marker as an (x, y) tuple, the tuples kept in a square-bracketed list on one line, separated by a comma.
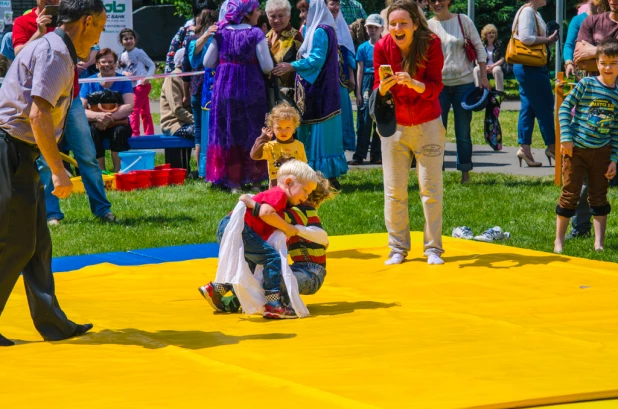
[(355, 162)]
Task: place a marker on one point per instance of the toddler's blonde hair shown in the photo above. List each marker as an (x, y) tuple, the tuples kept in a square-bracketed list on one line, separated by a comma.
[(298, 170), (283, 110), (323, 191)]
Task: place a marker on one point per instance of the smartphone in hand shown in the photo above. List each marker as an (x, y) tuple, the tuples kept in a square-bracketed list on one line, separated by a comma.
[(385, 71), (52, 11)]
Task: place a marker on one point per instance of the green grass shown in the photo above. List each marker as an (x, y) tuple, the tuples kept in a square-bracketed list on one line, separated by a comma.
[(189, 214), (155, 92)]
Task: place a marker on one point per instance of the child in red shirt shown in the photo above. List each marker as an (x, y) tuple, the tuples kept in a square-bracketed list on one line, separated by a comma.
[(295, 181)]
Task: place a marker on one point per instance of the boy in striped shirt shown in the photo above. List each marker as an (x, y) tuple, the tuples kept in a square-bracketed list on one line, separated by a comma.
[(589, 144)]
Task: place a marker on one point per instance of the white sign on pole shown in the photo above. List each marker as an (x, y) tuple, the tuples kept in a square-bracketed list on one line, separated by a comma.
[(119, 16), (6, 15)]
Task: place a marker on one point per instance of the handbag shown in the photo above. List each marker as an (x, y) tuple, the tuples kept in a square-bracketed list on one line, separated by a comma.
[(589, 65), (519, 53), (468, 46)]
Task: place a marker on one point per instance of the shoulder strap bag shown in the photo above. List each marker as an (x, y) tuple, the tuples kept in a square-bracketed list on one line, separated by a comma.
[(468, 46), (519, 53)]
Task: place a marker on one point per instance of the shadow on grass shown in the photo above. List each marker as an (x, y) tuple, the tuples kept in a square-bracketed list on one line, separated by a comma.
[(352, 254), (488, 260), (161, 339), (346, 307)]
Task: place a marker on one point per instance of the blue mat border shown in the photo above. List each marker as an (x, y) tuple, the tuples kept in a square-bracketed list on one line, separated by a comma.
[(137, 257)]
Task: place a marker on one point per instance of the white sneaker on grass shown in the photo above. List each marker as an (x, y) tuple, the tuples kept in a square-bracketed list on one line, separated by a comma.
[(463, 232), (493, 234)]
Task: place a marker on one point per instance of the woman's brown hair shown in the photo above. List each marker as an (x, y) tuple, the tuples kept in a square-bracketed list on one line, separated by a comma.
[(204, 20), (417, 54), (106, 51)]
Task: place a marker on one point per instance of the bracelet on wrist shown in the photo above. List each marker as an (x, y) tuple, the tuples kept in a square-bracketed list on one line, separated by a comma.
[(256, 210)]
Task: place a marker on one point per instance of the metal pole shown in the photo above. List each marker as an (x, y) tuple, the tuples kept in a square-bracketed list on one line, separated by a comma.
[(560, 20), (471, 10)]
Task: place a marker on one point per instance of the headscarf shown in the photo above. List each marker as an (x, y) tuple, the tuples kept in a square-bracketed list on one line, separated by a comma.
[(344, 38), (180, 54), (222, 12), (237, 10), (318, 14)]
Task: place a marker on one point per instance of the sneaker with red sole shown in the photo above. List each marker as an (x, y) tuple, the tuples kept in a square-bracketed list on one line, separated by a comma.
[(213, 297), (278, 312)]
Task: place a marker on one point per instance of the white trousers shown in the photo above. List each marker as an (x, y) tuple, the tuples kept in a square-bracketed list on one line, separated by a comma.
[(496, 72), (426, 143)]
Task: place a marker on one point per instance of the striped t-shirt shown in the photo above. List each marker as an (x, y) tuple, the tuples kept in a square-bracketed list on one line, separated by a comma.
[(299, 249), (595, 123)]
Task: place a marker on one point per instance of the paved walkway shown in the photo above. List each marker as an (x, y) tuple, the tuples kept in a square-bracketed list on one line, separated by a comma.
[(484, 158)]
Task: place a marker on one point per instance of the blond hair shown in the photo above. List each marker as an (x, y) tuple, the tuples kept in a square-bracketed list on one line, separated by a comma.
[(486, 30), (298, 170), (283, 110), (323, 191)]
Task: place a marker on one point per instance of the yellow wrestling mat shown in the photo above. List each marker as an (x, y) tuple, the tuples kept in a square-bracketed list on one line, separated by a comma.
[(495, 327)]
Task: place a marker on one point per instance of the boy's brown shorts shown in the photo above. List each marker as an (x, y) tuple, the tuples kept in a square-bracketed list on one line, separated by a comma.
[(594, 162)]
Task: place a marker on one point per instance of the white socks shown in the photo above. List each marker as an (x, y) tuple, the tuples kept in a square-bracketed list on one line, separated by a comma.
[(396, 258)]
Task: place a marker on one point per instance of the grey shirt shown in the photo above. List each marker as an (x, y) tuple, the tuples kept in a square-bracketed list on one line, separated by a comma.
[(44, 68)]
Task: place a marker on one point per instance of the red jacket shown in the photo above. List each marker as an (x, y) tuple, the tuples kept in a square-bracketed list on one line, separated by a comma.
[(412, 108)]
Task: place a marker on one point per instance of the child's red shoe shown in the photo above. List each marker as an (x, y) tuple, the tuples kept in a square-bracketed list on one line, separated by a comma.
[(213, 297), (277, 312)]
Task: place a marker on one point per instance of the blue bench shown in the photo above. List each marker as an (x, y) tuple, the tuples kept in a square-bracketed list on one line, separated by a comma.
[(177, 149)]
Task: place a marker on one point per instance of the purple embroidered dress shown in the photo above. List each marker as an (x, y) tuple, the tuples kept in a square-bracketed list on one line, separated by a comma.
[(238, 109)]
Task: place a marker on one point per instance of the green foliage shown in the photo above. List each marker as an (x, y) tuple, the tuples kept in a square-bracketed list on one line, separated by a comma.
[(183, 7)]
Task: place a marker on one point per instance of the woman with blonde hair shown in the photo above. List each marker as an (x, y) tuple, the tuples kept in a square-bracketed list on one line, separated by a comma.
[(284, 41), (495, 57)]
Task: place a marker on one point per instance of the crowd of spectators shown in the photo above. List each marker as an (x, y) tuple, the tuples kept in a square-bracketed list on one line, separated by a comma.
[(253, 59)]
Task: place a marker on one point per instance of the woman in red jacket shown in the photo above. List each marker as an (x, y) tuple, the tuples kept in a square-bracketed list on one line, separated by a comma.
[(415, 56)]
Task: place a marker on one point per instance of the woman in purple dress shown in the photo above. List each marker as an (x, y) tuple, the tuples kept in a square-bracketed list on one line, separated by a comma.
[(239, 103)]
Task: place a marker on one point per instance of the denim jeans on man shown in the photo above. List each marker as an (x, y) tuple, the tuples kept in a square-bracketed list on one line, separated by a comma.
[(257, 251), (537, 102), (78, 139), (453, 95), (365, 127)]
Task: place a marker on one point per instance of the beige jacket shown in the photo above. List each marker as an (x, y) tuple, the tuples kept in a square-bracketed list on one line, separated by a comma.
[(173, 113)]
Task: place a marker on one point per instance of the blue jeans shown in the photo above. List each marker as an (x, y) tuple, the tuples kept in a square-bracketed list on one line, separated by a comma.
[(257, 251), (310, 277), (77, 138), (537, 102), (453, 95), (196, 109), (365, 126)]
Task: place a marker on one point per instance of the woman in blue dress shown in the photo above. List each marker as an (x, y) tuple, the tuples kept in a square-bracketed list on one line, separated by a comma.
[(317, 93), (197, 45), (347, 70)]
